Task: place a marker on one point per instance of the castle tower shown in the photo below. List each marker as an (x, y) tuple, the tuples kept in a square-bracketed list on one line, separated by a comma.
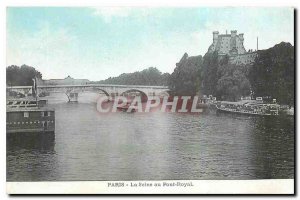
[(228, 44), (215, 36), (233, 33), (241, 36), (232, 45)]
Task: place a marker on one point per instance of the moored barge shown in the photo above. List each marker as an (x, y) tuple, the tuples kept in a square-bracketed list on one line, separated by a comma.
[(26, 116), (250, 107)]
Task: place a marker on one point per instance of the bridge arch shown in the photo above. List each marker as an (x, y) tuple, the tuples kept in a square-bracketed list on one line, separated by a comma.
[(93, 89), (144, 96), (45, 94)]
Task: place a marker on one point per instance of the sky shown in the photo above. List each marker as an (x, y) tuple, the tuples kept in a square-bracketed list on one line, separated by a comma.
[(97, 43)]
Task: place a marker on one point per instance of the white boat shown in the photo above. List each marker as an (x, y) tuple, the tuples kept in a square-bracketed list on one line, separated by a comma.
[(248, 107)]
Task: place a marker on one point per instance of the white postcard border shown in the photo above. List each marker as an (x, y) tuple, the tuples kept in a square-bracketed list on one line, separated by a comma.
[(263, 186)]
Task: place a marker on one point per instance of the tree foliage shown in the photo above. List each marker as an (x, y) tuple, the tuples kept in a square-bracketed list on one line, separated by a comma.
[(232, 82), (222, 79), (185, 80), (272, 75), (22, 76), (209, 73), (150, 76)]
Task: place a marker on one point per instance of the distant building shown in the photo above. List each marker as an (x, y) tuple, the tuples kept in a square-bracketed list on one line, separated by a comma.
[(66, 81), (232, 45)]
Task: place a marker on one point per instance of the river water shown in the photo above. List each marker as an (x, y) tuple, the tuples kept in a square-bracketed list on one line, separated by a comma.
[(88, 145)]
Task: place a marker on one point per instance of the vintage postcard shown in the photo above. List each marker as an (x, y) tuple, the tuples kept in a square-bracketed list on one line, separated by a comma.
[(150, 100)]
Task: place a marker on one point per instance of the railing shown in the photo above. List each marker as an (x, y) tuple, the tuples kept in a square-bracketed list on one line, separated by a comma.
[(21, 104)]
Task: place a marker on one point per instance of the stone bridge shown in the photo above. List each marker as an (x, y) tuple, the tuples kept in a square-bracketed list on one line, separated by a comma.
[(109, 90)]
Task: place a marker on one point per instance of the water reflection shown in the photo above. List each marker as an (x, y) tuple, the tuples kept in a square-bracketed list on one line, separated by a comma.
[(274, 147), (42, 142), (31, 157)]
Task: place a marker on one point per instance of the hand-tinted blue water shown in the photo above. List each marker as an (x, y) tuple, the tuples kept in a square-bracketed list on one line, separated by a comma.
[(121, 146)]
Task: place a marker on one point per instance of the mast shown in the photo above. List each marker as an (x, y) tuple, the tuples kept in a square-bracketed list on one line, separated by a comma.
[(35, 88), (257, 44)]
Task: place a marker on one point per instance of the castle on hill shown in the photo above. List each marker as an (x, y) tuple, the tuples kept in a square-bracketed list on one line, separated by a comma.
[(232, 45)]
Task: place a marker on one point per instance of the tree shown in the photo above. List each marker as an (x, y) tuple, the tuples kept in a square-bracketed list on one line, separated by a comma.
[(185, 79), (272, 75), (233, 83), (209, 74), (21, 75), (224, 80), (149, 76)]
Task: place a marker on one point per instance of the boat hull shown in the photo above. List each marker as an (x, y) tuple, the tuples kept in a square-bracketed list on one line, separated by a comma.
[(219, 110), (30, 120)]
